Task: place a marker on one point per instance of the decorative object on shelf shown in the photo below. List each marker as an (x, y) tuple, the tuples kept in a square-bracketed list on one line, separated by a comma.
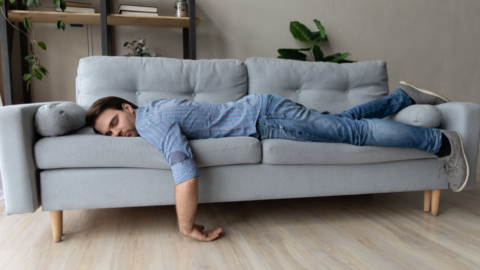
[(138, 13), (75, 4), (38, 71), (302, 33), (137, 10), (77, 10), (139, 49), (182, 8)]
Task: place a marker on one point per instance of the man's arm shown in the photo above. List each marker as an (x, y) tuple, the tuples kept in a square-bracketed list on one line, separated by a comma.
[(186, 200), (167, 137)]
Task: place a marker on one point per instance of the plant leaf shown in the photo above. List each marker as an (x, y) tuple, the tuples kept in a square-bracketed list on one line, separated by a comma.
[(29, 2), (61, 24), (292, 54), (44, 70), (125, 44), (330, 57), (321, 28), (30, 59), (317, 53), (1, 3), (27, 24), (56, 3), (27, 77), (36, 2), (341, 57), (303, 49), (37, 74), (63, 5), (300, 31), (346, 61), (42, 45)]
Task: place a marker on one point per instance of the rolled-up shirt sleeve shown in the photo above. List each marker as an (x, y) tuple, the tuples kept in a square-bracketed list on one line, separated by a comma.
[(167, 137)]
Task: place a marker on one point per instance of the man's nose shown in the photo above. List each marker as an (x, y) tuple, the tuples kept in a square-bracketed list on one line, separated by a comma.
[(116, 133)]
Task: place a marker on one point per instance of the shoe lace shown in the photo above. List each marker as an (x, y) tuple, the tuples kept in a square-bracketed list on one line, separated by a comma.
[(443, 166)]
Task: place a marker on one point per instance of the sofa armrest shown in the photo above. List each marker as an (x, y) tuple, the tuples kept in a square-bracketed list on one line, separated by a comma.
[(464, 118), (19, 173)]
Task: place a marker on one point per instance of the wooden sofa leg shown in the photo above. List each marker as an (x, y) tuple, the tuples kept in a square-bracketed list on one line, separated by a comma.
[(435, 201), (56, 217), (427, 200)]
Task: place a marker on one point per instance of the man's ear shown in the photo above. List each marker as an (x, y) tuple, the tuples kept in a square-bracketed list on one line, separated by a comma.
[(127, 107)]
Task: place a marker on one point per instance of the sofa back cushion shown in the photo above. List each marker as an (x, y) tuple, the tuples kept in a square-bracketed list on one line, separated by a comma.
[(321, 86), (144, 79)]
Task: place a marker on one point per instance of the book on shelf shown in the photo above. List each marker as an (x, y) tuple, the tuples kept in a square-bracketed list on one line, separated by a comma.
[(77, 10), (136, 8), (75, 4), (137, 13)]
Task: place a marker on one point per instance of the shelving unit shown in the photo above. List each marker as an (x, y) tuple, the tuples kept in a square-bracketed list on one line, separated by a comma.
[(94, 19), (104, 18)]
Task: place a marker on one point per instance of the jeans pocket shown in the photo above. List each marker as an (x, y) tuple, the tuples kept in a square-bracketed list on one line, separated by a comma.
[(286, 110)]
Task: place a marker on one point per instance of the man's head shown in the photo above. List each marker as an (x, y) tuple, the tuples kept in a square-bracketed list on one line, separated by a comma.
[(113, 116)]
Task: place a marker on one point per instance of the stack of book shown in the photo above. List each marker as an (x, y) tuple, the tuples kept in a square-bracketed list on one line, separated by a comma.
[(137, 10), (74, 7)]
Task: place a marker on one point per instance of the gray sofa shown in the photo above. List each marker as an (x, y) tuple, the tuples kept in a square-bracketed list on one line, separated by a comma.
[(83, 170)]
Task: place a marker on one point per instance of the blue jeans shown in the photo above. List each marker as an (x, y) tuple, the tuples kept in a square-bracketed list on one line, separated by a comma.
[(281, 118)]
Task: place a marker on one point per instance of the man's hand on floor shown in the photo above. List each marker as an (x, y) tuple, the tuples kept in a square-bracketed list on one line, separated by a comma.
[(198, 233), (186, 200)]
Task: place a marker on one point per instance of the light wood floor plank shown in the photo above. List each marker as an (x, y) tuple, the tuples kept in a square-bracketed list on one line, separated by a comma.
[(379, 231)]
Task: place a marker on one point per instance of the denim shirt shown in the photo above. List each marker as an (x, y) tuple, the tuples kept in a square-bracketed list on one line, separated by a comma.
[(168, 124)]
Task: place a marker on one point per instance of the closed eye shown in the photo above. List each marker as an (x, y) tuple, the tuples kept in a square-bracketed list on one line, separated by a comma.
[(112, 124)]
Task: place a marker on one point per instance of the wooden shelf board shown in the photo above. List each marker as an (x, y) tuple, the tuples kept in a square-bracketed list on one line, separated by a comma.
[(53, 17), (94, 18), (152, 21)]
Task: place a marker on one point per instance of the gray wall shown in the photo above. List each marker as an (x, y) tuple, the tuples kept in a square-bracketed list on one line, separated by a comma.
[(430, 43)]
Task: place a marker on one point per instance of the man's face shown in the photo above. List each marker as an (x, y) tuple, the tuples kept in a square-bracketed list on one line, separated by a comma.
[(118, 123)]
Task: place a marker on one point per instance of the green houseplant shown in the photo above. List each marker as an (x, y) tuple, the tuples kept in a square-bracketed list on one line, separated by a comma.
[(138, 48), (37, 70), (302, 33)]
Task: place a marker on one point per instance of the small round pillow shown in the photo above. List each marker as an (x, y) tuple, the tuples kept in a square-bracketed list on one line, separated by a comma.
[(423, 115), (59, 119)]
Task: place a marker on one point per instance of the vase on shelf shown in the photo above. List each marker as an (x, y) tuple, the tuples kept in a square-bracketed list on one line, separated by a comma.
[(181, 7)]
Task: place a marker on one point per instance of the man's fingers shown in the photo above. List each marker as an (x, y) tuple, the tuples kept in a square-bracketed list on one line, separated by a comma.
[(202, 235), (214, 234)]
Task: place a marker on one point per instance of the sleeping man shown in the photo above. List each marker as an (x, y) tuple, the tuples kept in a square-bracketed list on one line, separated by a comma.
[(168, 124)]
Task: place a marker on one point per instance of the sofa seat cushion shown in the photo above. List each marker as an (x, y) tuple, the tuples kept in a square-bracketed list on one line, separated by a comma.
[(85, 149), (278, 151)]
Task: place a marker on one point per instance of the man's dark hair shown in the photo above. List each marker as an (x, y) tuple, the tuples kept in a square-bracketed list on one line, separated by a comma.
[(101, 105)]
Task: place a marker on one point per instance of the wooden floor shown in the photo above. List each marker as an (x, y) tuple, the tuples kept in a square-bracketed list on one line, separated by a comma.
[(381, 231)]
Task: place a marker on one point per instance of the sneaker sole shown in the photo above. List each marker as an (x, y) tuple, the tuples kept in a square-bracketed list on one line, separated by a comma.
[(426, 91), (466, 161)]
